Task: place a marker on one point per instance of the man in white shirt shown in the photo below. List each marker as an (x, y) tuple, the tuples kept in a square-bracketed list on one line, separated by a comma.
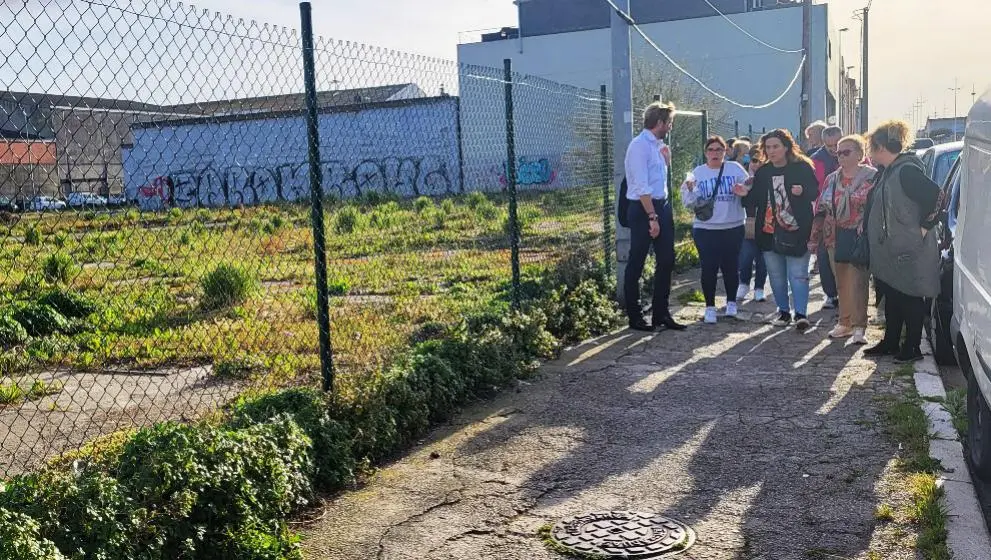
[(651, 219)]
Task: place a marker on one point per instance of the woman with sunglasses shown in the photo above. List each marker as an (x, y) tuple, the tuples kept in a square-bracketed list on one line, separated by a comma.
[(839, 219), (718, 238)]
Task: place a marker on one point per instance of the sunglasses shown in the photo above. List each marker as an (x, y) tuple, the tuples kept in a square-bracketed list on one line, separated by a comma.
[(844, 153), (715, 150)]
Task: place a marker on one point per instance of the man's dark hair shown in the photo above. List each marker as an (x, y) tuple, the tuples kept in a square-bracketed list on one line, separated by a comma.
[(657, 113)]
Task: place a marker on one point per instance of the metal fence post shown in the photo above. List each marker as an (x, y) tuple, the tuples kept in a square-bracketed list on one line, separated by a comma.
[(316, 198), (607, 206), (736, 129), (750, 132), (514, 231)]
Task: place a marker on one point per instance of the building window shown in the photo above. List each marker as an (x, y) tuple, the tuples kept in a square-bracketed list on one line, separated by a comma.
[(756, 4)]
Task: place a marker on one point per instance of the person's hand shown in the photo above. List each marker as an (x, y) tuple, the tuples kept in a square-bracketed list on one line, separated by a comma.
[(690, 185), (797, 190), (924, 232), (740, 190), (655, 229)]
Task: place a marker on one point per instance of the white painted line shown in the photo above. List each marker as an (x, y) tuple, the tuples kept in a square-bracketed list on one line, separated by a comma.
[(967, 533)]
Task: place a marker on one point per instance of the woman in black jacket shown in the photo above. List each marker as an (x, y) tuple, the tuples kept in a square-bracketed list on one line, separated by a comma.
[(784, 222)]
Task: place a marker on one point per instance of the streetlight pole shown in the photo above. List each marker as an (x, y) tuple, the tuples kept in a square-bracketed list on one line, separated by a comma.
[(519, 21), (840, 109), (956, 90)]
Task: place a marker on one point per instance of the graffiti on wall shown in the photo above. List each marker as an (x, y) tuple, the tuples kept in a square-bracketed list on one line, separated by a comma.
[(211, 185), (529, 172)]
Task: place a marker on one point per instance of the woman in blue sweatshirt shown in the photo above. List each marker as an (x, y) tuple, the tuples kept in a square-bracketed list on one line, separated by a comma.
[(719, 237)]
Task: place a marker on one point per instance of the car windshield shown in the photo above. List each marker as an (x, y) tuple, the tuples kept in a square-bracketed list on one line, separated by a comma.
[(943, 165)]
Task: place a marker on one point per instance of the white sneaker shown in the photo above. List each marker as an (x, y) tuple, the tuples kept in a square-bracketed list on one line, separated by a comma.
[(731, 309), (710, 315), (840, 332), (759, 295), (742, 292), (859, 337)]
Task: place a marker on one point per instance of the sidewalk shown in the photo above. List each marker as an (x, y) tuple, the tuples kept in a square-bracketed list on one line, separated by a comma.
[(768, 443)]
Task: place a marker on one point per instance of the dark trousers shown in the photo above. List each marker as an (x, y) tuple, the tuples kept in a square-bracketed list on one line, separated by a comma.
[(826, 276), (751, 257), (719, 251), (902, 311), (640, 245)]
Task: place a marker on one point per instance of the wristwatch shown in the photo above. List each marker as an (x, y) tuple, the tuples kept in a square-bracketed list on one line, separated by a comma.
[(652, 217)]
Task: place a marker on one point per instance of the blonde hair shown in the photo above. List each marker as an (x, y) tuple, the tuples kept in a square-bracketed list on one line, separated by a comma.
[(818, 125), (894, 136), (656, 113), (857, 140)]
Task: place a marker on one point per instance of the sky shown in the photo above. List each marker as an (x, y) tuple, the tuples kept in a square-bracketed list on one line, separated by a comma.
[(917, 50)]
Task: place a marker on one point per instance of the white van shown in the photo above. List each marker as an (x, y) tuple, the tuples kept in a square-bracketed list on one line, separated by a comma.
[(970, 325)]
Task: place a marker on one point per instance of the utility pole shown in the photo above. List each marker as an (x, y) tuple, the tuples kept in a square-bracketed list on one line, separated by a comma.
[(806, 112), (956, 115), (865, 67), (622, 121)]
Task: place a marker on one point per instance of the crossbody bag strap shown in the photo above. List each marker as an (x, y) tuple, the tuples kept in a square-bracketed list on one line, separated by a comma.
[(719, 180)]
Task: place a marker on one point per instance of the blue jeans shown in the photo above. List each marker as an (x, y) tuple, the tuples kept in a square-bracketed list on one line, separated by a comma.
[(826, 275), (750, 258), (789, 271)]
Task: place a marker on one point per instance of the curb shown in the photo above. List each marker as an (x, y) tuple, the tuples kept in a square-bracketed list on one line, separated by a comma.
[(967, 533)]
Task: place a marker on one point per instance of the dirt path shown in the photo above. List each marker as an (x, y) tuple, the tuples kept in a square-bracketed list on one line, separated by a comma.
[(93, 404), (766, 442)]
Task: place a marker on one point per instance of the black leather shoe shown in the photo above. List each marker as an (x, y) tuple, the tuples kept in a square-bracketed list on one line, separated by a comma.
[(908, 356), (641, 325), (669, 323), (881, 349)]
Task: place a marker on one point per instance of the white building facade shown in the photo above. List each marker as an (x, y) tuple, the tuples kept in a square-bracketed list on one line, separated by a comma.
[(568, 41)]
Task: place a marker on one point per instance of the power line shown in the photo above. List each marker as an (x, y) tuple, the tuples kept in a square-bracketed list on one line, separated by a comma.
[(798, 72), (748, 34)]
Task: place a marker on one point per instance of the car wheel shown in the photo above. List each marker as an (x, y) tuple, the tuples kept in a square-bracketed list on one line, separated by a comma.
[(978, 430), (939, 334)]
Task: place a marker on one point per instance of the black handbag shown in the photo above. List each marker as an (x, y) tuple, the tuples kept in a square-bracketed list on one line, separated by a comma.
[(852, 247), (704, 210), (787, 242), (623, 205)]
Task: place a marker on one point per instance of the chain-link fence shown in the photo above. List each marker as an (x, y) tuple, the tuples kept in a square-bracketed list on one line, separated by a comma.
[(194, 208)]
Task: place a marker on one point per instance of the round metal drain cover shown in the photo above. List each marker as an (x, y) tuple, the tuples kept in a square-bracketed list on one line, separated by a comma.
[(623, 534)]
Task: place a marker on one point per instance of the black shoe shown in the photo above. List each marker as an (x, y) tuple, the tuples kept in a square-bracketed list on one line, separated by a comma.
[(641, 325), (802, 323), (783, 320), (881, 349), (908, 356), (668, 323)]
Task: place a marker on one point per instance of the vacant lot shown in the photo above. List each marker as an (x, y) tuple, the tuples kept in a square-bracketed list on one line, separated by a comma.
[(138, 316)]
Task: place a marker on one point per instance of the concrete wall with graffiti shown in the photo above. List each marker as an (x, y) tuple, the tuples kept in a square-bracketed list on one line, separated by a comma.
[(407, 148)]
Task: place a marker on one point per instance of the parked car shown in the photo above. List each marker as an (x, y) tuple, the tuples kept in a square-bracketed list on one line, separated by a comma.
[(117, 200), (941, 307), (7, 205), (939, 159), (86, 200), (46, 203), (970, 325)]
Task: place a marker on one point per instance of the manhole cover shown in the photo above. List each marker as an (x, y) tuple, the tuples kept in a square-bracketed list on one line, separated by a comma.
[(623, 534)]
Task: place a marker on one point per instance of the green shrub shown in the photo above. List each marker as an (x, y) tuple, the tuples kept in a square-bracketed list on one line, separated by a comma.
[(59, 267), (72, 305), (486, 210), (348, 220), (334, 461), (476, 199), (447, 206), (338, 286), (227, 285), (686, 256), (32, 236), (20, 540), (204, 487), (386, 216), (422, 203), (174, 214), (185, 238), (376, 198), (60, 239), (238, 368), (11, 331), (39, 319), (579, 314)]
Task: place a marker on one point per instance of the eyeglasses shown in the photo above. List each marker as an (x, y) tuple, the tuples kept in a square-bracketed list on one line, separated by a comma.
[(715, 150), (844, 153)]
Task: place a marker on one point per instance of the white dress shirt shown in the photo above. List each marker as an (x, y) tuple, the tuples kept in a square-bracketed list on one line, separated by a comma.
[(646, 170)]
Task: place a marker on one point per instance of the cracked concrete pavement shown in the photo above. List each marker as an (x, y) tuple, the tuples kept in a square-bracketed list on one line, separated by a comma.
[(766, 441)]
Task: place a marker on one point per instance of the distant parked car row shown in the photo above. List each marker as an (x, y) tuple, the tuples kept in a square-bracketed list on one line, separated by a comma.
[(78, 200)]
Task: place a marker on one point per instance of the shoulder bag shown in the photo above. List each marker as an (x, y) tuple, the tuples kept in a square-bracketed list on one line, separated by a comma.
[(705, 209), (787, 242), (852, 245)]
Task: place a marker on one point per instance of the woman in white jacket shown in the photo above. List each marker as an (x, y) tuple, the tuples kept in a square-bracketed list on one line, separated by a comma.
[(719, 237)]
